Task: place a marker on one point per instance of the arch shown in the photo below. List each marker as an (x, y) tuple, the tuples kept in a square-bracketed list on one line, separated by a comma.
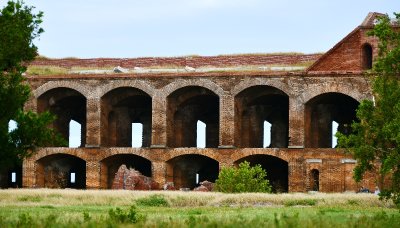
[(210, 153), (366, 56), (257, 104), (345, 89), (184, 170), (82, 89), (75, 152), (321, 111), (120, 108), (110, 166), (185, 107), (56, 170), (67, 104), (277, 170), (251, 82), (140, 85), (180, 83), (260, 151)]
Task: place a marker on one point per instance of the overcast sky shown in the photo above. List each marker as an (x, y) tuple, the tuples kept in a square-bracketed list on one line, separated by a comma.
[(133, 28)]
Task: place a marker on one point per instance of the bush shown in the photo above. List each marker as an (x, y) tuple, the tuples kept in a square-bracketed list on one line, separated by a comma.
[(120, 216), (242, 179), (153, 201)]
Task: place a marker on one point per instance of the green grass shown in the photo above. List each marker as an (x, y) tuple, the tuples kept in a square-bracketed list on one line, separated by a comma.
[(73, 208)]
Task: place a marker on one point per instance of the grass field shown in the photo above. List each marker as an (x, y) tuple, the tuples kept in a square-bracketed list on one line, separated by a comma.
[(91, 208)]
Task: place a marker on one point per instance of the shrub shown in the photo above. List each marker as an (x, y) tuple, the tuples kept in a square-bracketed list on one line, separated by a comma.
[(153, 201), (242, 179), (120, 216)]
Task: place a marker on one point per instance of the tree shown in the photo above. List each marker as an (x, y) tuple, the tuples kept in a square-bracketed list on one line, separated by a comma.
[(19, 26), (242, 179), (375, 138)]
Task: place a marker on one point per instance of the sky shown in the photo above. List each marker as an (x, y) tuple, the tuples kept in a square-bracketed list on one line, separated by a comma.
[(132, 28)]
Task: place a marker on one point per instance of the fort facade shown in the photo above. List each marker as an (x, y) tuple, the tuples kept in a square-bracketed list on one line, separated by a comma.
[(234, 96)]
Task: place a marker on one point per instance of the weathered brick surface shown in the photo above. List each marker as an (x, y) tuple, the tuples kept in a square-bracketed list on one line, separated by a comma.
[(192, 61)]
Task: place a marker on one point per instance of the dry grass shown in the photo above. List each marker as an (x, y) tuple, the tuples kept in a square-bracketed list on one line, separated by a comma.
[(46, 70), (25, 197), (56, 70)]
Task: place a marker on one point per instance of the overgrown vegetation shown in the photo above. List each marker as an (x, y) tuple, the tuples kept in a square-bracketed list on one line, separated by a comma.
[(375, 140), (243, 178)]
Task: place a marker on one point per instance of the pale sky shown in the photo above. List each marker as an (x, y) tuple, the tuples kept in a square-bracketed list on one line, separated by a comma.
[(131, 28)]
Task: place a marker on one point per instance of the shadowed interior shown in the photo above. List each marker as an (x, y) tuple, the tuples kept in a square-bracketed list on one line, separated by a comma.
[(119, 109), (255, 105), (54, 171), (110, 166), (276, 168), (321, 111), (182, 170), (185, 107), (67, 104)]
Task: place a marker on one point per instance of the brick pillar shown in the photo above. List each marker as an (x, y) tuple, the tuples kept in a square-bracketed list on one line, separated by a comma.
[(226, 121), (93, 122), (28, 173), (159, 172), (297, 174), (159, 122), (92, 175), (296, 123)]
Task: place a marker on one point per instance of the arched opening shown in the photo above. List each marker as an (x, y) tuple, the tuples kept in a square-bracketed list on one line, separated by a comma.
[(110, 166), (123, 111), (253, 108), (314, 180), (186, 171), (201, 134), (366, 56), (61, 171), (321, 111), (276, 168), (68, 105), (186, 107), (11, 177)]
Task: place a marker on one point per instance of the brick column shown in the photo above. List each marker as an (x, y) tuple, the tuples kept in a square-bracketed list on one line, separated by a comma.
[(296, 123), (28, 173), (159, 122), (93, 122), (159, 172), (92, 175), (226, 121), (297, 174)]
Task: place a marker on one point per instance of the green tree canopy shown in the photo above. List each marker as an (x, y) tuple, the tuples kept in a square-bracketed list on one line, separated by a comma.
[(375, 141), (19, 26)]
